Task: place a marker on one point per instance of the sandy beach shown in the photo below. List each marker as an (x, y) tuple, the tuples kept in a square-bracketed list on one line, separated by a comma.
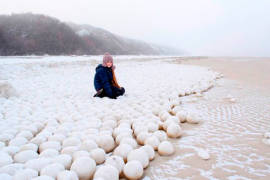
[(232, 132), (49, 108)]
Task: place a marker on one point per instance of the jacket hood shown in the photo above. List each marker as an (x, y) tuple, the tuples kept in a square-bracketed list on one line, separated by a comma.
[(99, 67)]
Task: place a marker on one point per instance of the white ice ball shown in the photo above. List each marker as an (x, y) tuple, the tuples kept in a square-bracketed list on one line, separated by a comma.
[(26, 134), (133, 170), (192, 118), (71, 141), (129, 141), (115, 161), (50, 145), (67, 175), (18, 141), (38, 164), (122, 150), (182, 116), (152, 141), (107, 172), (64, 159), (142, 136), (29, 146), (106, 142), (5, 159), (98, 155), (25, 156), (88, 145), (49, 153), (84, 167), (161, 135), (150, 151), (52, 170), (11, 169), (139, 155), (78, 154), (25, 174), (57, 137), (152, 127), (70, 150), (174, 130), (165, 148)]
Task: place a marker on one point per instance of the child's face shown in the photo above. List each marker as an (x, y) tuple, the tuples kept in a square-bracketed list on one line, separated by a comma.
[(109, 64)]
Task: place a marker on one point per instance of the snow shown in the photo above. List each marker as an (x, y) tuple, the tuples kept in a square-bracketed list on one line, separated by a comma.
[(54, 107)]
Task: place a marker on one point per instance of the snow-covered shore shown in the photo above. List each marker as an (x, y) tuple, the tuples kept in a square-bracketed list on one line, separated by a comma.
[(52, 102)]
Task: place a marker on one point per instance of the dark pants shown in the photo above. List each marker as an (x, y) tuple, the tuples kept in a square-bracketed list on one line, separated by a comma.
[(116, 92)]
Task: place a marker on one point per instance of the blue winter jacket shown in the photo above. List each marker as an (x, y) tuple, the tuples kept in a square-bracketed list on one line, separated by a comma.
[(103, 80)]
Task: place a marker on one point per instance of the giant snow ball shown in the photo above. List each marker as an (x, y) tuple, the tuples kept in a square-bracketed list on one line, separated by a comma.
[(84, 167), (98, 155), (174, 130), (139, 155), (133, 170), (52, 170), (106, 142), (107, 172), (115, 161), (122, 150), (165, 148), (25, 156), (152, 141), (67, 175)]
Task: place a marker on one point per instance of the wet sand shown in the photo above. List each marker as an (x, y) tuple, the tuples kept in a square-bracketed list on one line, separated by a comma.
[(231, 132)]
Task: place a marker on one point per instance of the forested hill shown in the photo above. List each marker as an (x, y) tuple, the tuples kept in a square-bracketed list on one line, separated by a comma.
[(28, 34)]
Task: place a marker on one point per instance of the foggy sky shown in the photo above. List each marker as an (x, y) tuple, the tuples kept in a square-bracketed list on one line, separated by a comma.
[(201, 27)]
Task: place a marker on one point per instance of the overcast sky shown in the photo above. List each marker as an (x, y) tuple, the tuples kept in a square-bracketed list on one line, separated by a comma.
[(201, 27)]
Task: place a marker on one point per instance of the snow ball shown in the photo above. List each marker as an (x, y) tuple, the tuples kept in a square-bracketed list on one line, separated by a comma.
[(152, 141), (57, 137), (139, 129), (165, 148), (119, 130), (115, 161), (110, 123), (142, 136), (67, 175), (25, 156), (106, 142), (129, 141), (50, 145), (5, 137), (84, 167), (174, 130), (71, 141), (88, 145), (18, 141), (203, 154), (150, 151), (78, 154), (29, 146), (161, 135), (98, 155), (4, 176), (120, 136), (122, 150), (182, 116), (107, 172), (44, 177), (5, 159), (164, 115), (152, 127), (64, 159), (133, 170), (11, 169), (52, 170), (25, 174), (192, 118), (70, 150), (139, 155), (26, 134), (38, 164), (38, 140), (49, 153)]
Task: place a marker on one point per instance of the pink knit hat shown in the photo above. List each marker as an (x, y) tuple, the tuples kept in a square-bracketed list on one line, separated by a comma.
[(107, 58)]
